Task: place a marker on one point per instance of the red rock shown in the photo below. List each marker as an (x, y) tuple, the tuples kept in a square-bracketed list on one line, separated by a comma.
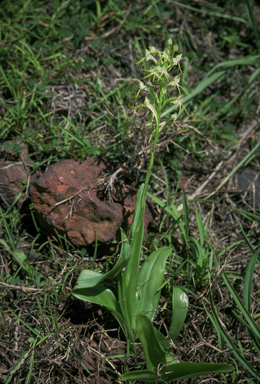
[(67, 198), (14, 175), (13, 179)]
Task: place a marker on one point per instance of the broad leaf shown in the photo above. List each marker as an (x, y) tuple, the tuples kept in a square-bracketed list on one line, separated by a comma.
[(162, 340), (150, 280), (102, 296), (154, 351), (88, 278), (186, 370), (99, 295), (180, 303), (145, 375), (175, 372)]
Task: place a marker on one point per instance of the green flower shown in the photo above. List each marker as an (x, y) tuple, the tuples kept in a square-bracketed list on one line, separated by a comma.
[(176, 59), (178, 100)]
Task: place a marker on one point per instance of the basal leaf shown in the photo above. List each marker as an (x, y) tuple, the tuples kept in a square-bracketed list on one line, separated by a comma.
[(180, 303), (154, 352), (128, 279), (88, 278), (102, 296), (145, 375), (162, 340), (186, 370), (99, 295), (150, 280)]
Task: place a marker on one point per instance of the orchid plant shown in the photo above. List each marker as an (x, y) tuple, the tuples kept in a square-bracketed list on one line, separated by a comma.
[(139, 287)]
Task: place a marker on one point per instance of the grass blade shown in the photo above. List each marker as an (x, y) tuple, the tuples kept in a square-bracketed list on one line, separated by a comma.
[(186, 214), (249, 280), (241, 307), (252, 21), (21, 259), (234, 171), (173, 212), (29, 374), (17, 366), (230, 343), (255, 340), (197, 91)]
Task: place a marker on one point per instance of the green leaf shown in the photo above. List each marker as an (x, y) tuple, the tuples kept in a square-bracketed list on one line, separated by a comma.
[(17, 366), (162, 341), (176, 372), (127, 284), (240, 357), (249, 279), (145, 375), (138, 219), (154, 351), (21, 259), (150, 280), (153, 110), (186, 214), (88, 278), (29, 374), (180, 303), (98, 295), (254, 327), (102, 296), (186, 370)]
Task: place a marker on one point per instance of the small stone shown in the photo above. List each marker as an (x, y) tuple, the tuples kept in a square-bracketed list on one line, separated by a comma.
[(13, 180), (14, 175)]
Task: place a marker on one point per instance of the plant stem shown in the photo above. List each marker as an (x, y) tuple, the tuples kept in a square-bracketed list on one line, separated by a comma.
[(149, 171), (155, 141)]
